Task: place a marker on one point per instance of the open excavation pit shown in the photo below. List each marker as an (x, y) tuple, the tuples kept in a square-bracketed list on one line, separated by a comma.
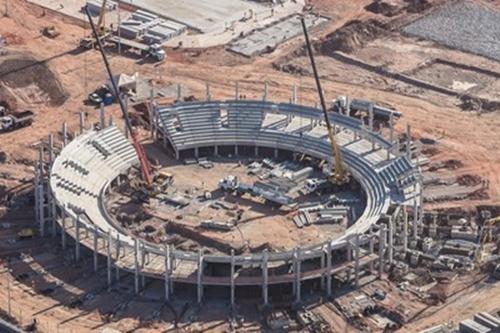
[(24, 79), (179, 230)]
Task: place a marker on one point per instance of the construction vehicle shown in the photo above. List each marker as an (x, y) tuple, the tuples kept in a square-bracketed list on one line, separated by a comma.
[(486, 235), (90, 42), (338, 174), (14, 121), (141, 154), (25, 233), (50, 32), (154, 50)]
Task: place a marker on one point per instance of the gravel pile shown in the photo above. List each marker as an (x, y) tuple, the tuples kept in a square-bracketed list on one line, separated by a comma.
[(464, 26)]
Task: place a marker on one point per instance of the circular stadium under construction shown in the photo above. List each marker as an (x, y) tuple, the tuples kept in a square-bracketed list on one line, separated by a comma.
[(240, 202)]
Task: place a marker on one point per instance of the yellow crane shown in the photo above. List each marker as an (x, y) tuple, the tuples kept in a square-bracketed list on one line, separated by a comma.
[(101, 29), (90, 42), (486, 236), (339, 175)]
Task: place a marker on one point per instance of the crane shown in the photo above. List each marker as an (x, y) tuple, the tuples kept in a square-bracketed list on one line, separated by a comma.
[(141, 154), (339, 175), (486, 235), (101, 29), (89, 42)]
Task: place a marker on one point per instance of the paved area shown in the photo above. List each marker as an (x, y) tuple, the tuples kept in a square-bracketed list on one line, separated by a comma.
[(465, 26), (202, 15), (269, 37), (73, 8)]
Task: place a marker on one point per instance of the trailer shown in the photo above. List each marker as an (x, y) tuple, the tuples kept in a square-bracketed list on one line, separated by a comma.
[(17, 120), (154, 50)]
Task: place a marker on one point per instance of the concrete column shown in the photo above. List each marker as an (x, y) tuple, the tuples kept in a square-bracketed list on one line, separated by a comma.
[(329, 269), (53, 213), (372, 250), (125, 104), (349, 250), (370, 123), (265, 92), (82, 122), (41, 194), (297, 268), (117, 246), (391, 240), (199, 279), (276, 152), (196, 152), (294, 94), (179, 92), (65, 134), (232, 278), (256, 151), (77, 240), (63, 232), (94, 232), (381, 250), (391, 135), (209, 96), (216, 150), (415, 220), (108, 248), (236, 152), (36, 184), (323, 265), (405, 230), (237, 91), (347, 107), (356, 260), (136, 265), (168, 269), (370, 117), (51, 149), (265, 277), (111, 120), (143, 261), (408, 141), (102, 116)]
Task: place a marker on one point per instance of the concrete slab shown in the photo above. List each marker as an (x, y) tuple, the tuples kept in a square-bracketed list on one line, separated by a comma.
[(73, 9), (201, 15), (270, 37)]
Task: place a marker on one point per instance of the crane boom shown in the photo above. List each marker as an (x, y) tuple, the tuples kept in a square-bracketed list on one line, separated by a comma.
[(141, 154), (101, 20), (339, 175)]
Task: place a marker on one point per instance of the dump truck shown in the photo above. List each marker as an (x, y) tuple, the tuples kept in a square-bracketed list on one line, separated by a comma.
[(17, 120)]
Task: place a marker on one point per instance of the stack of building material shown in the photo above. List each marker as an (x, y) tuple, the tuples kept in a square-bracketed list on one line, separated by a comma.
[(217, 225), (332, 215), (96, 5), (471, 326), (151, 27), (303, 218)]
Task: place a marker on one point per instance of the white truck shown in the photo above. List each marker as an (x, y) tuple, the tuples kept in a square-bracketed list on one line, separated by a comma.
[(14, 121), (154, 50)]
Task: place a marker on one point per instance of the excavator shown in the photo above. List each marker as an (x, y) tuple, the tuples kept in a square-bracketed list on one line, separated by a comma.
[(141, 154), (339, 175), (90, 42)]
